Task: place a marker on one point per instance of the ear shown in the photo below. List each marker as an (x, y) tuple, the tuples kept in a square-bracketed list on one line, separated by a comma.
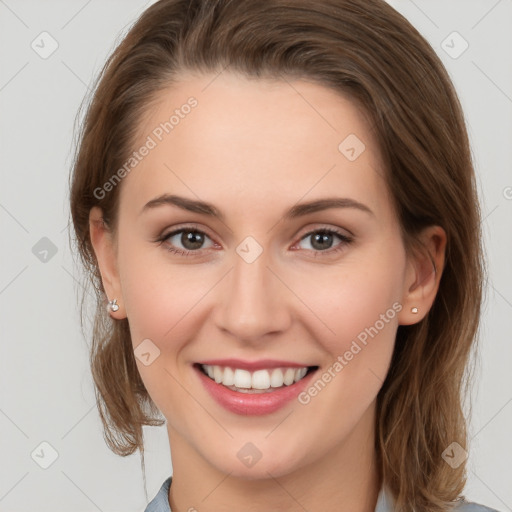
[(422, 276), (106, 255)]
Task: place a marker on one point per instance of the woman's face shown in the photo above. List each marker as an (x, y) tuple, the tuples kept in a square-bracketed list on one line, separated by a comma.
[(257, 282)]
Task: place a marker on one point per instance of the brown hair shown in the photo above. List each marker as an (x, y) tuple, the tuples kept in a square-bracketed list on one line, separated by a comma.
[(368, 51)]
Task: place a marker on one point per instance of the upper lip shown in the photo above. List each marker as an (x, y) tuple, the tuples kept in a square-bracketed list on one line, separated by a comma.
[(261, 364)]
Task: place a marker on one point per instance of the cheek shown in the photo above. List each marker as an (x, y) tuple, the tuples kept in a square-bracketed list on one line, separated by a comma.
[(162, 302), (358, 300), (360, 308), (158, 293)]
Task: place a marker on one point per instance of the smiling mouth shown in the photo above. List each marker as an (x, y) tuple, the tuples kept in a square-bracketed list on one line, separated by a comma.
[(259, 381)]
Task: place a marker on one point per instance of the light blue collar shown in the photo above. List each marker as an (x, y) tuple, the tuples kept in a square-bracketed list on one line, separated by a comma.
[(385, 502), (160, 502)]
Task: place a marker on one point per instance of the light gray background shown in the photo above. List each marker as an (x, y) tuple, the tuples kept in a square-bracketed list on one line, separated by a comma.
[(46, 388)]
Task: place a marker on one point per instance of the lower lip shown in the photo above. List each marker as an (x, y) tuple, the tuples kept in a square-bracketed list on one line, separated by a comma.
[(253, 404)]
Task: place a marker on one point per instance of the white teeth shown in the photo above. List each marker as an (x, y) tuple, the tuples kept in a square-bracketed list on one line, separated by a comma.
[(260, 379), (301, 372), (276, 379), (218, 374), (289, 376), (229, 377), (242, 378)]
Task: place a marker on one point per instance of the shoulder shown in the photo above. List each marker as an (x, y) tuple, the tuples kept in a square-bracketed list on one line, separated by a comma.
[(160, 503), (385, 503), (467, 506)]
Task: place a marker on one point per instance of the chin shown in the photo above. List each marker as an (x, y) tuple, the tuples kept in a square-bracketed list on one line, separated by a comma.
[(275, 464)]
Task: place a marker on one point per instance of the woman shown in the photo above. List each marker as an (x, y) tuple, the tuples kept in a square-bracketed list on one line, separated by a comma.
[(276, 203)]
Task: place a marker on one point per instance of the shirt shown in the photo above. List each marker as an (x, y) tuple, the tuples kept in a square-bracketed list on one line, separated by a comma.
[(160, 503)]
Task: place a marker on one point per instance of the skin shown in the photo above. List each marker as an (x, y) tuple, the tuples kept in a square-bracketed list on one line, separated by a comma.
[(255, 148)]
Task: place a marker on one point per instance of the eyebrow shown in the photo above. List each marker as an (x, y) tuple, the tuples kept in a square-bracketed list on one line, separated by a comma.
[(298, 210)]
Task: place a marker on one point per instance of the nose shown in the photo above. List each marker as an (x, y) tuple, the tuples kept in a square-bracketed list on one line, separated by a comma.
[(253, 301)]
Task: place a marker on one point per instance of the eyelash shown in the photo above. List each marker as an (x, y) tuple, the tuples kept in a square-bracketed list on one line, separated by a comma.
[(345, 240)]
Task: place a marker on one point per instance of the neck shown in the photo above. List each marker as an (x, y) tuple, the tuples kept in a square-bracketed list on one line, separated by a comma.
[(344, 479)]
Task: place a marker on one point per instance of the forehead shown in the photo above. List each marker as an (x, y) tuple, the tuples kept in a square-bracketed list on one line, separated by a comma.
[(226, 137)]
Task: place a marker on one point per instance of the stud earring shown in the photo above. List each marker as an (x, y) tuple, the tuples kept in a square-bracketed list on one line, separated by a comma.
[(112, 305), (414, 310)]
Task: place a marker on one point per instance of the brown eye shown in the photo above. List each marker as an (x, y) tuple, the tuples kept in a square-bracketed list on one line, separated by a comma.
[(323, 240), (186, 239)]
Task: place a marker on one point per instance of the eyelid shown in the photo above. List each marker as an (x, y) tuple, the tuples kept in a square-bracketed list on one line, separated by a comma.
[(327, 227), (191, 226), (345, 239), (345, 235)]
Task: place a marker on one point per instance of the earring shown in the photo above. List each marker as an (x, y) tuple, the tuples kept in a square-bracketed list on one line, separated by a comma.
[(112, 305), (414, 310)]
